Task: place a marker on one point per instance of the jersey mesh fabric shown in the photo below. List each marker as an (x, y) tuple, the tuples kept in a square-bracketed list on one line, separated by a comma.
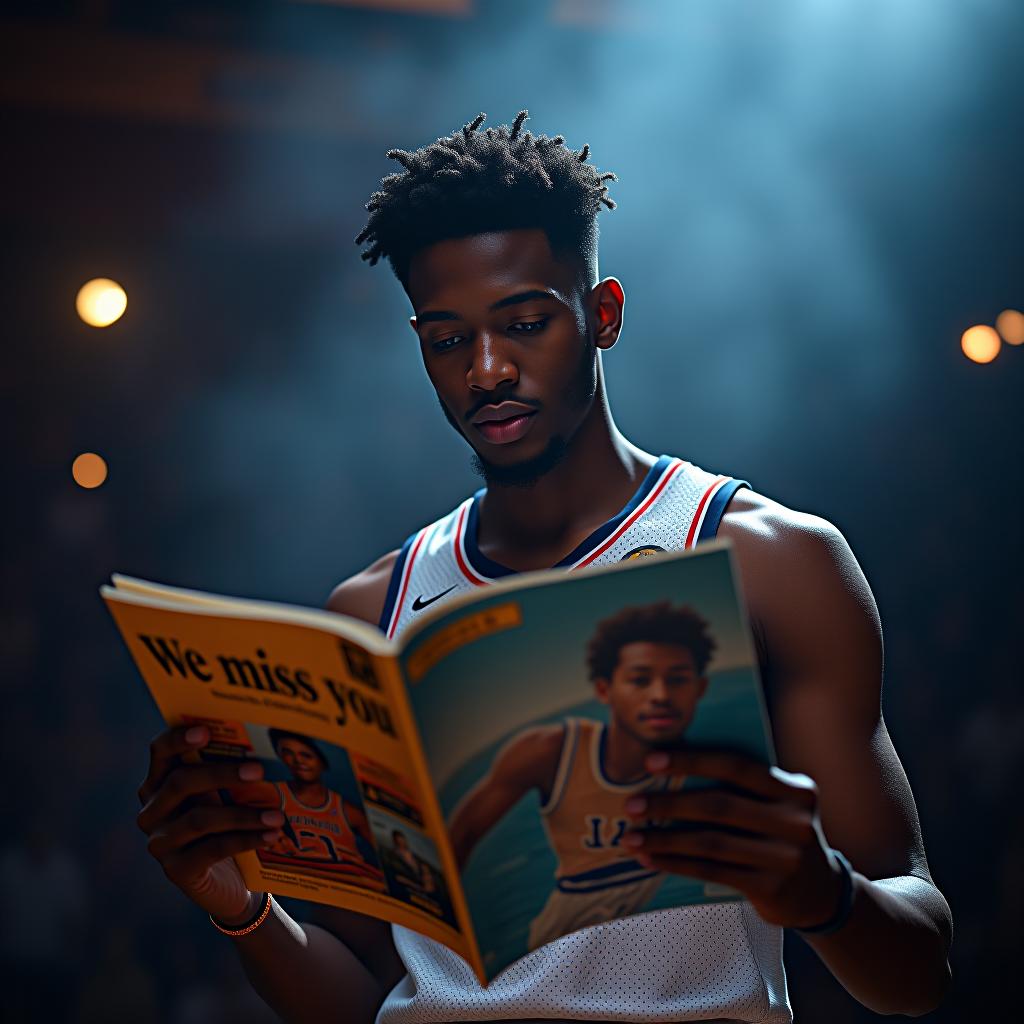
[(713, 962)]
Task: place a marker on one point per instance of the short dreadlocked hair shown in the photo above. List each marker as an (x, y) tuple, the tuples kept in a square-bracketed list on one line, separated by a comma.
[(659, 623), (471, 182)]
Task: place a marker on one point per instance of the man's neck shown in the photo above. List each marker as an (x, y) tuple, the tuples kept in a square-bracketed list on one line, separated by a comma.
[(533, 527), (624, 755), (311, 793)]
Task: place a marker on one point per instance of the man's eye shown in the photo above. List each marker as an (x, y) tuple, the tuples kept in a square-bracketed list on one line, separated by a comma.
[(530, 326), (445, 343)]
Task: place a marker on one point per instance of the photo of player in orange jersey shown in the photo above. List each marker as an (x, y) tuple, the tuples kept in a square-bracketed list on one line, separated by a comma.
[(325, 833), (648, 667)]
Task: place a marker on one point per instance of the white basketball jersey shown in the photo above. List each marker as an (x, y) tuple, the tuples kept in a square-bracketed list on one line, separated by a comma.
[(716, 961)]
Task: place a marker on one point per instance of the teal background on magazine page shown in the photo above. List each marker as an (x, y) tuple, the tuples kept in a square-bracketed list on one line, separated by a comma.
[(469, 704)]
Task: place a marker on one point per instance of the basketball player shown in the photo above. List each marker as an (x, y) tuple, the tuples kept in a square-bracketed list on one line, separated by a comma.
[(647, 664), (493, 235), (408, 868), (320, 825)]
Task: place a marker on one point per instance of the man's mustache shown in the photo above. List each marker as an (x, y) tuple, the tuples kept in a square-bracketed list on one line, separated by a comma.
[(498, 399)]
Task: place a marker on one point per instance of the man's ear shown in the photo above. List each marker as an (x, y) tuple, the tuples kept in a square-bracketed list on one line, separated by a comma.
[(609, 301), (601, 687), (702, 686)]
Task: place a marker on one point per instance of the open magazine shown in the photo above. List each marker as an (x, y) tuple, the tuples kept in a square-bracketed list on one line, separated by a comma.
[(461, 780)]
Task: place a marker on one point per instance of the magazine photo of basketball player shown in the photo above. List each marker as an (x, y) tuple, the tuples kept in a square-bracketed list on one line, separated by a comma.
[(647, 665), (411, 865), (325, 833)]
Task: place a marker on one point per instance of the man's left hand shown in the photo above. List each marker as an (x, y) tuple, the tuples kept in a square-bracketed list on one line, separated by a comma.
[(756, 829)]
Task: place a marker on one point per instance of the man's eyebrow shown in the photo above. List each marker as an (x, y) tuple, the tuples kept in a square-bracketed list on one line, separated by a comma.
[(676, 666), (430, 315)]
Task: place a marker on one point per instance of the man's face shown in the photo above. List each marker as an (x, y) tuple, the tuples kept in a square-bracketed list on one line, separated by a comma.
[(653, 691), (504, 337), (300, 760)]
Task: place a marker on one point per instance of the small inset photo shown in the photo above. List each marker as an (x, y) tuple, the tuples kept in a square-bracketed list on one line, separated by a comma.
[(411, 865), (326, 833)]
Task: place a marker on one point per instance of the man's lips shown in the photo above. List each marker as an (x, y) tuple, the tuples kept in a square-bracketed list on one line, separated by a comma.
[(504, 422), (502, 411), (507, 430), (664, 718)]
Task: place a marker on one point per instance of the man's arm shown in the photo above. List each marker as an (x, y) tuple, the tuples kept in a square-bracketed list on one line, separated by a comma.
[(527, 761), (841, 783), (825, 660), (359, 823)]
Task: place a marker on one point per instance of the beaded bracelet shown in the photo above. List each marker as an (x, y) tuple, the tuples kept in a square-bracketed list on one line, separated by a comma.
[(251, 925), (839, 918)]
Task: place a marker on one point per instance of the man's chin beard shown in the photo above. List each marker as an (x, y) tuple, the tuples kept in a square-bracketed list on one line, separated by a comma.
[(522, 474)]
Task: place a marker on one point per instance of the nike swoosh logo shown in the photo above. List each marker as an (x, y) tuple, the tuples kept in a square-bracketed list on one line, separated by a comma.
[(420, 603)]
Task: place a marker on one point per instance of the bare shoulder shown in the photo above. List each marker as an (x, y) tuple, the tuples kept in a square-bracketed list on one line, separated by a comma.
[(759, 526), (538, 741), (531, 754), (362, 596), (785, 550), (801, 579)]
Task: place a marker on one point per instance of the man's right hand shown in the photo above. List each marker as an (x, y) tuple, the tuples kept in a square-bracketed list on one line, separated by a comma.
[(192, 835)]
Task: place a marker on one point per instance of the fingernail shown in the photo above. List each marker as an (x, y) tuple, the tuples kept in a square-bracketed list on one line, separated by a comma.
[(272, 818), (635, 804), (633, 839), (196, 735), (250, 770), (270, 837), (656, 762)]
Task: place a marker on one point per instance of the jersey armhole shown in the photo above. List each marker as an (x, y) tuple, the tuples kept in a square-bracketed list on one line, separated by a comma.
[(393, 584), (716, 509), (565, 758)]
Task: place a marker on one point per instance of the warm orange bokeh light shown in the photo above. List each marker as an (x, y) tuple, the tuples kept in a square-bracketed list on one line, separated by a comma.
[(101, 301), (1010, 324), (980, 343), (89, 470)]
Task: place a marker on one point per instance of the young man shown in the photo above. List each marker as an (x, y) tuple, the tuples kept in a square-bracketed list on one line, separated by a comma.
[(493, 235), (409, 869), (322, 827), (647, 665)]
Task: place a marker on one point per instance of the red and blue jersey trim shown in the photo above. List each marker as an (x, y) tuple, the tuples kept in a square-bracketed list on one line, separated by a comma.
[(711, 508), (399, 582), (479, 569)]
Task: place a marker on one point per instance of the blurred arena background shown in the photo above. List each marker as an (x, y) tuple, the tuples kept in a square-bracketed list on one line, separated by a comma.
[(816, 201)]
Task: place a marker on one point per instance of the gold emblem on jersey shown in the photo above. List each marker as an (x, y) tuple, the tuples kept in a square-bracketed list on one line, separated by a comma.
[(644, 552)]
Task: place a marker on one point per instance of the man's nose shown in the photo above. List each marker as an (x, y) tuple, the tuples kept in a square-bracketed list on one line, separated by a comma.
[(659, 691), (491, 365)]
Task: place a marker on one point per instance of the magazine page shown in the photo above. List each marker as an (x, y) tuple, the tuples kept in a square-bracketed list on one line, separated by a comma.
[(536, 708), (326, 717)]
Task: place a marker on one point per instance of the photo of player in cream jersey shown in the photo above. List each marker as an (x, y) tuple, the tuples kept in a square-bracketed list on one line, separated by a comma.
[(648, 666)]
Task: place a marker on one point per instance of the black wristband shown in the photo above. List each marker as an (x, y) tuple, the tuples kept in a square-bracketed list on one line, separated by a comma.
[(839, 918)]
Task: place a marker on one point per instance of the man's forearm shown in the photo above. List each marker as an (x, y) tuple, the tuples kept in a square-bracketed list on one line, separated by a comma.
[(306, 974), (892, 954)]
